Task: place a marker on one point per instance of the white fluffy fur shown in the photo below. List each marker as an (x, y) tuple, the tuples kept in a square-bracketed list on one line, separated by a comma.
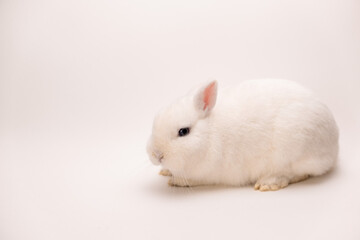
[(269, 132)]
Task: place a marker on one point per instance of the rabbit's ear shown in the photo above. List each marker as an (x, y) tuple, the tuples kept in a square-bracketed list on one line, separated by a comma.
[(205, 98)]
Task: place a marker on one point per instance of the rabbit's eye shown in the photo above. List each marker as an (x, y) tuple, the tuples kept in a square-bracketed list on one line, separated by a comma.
[(184, 132)]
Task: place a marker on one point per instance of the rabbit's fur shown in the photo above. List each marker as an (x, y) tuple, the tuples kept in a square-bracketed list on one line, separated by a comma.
[(268, 132)]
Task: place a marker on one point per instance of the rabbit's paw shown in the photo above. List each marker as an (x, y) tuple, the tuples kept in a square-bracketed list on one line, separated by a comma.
[(180, 182), (165, 172), (271, 183)]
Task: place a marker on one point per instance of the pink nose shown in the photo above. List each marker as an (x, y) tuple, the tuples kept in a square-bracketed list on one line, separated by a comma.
[(158, 155)]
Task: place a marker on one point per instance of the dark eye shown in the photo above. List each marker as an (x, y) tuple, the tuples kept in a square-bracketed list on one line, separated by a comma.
[(184, 132)]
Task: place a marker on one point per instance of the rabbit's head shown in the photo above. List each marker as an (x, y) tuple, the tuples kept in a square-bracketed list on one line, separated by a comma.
[(181, 133)]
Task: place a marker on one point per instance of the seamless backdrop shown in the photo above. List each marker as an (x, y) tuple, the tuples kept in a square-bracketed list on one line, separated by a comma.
[(80, 82)]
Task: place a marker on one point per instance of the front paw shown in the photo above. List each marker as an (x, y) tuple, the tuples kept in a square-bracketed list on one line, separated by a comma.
[(165, 172), (178, 182)]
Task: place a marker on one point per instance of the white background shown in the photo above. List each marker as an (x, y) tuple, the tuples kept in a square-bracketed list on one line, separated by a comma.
[(80, 82)]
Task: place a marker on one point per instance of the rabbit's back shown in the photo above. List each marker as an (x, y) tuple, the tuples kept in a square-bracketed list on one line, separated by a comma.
[(273, 125)]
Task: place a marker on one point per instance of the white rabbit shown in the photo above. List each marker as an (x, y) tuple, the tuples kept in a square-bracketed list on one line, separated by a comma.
[(268, 132)]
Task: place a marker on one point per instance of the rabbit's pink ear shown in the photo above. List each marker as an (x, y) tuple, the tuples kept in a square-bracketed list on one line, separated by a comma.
[(205, 98)]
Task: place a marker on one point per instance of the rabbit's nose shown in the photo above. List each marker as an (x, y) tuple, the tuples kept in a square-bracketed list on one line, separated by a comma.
[(158, 155)]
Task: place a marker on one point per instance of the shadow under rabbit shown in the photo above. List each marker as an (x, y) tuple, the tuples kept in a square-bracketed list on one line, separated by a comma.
[(160, 186)]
